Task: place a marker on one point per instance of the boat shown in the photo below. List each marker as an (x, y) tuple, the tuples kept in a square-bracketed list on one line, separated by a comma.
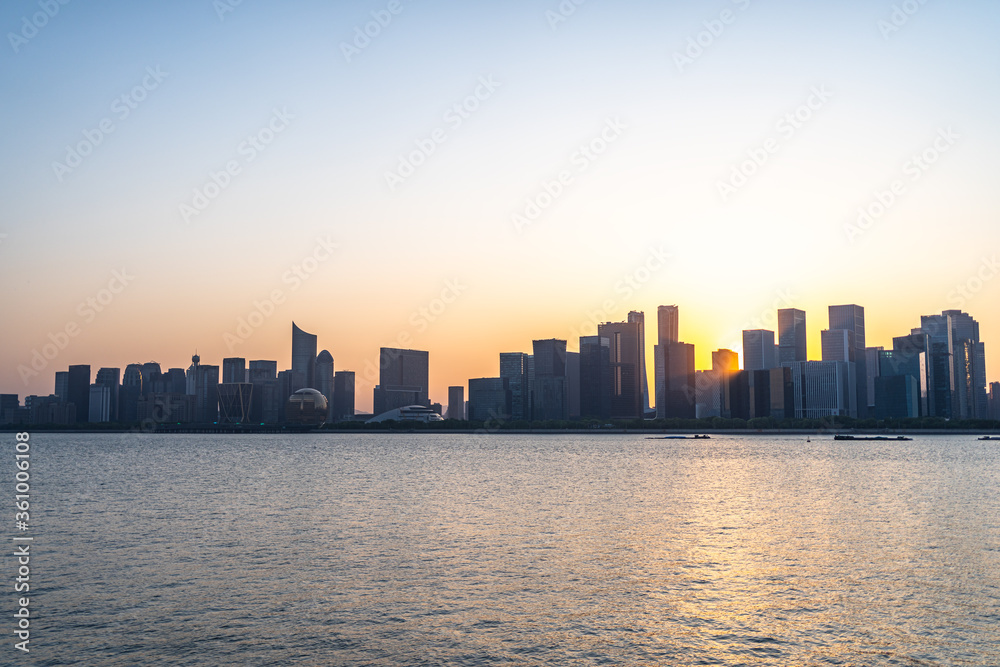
[(990, 437), (870, 437)]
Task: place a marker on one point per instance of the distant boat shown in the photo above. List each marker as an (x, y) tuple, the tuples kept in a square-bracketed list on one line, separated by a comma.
[(871, 437), (681, 437), (990, 437)]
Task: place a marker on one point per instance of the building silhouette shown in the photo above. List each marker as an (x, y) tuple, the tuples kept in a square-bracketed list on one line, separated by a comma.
[(234, 370), (791, 335), (456, 403), (304, 355), (595, 377), (79, 390), (514, 366), (852, 318), (403, 379), (489, 399), (343, 395), (639, 318), (759, 350), (626, 356), (323, 376), (551, 392)]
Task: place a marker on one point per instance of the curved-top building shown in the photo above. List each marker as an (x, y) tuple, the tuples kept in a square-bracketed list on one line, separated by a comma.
[(304, 355), (306, 407)]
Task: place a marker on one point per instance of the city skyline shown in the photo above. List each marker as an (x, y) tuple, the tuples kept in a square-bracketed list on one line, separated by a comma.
[(193, 177), (405, 372)]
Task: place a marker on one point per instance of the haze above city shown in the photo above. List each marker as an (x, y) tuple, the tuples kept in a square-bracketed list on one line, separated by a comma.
[(464, 179)]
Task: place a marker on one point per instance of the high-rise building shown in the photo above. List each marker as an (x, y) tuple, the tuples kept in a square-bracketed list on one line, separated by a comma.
[(109, 377), (758, 350), (514, 367), (551, 393), (489, 400), (79, 390), (667, 325), (626, 393), (573, 384), (970, 367), (343, 395), (595, 377), (265, 406), (639, 318), (323, 377), (995, 401), (234, 370), (838, 345), (100, 404), (456, 403), (823, 389), (150, 375), (304, 355), (726, 363), (403, 379), (676, 394), (206, 394), (852, 318), (62, 385), (130, 393), (873, 369), (791, 335)]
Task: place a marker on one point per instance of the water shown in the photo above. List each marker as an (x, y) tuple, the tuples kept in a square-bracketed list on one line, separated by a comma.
[(521, 550)]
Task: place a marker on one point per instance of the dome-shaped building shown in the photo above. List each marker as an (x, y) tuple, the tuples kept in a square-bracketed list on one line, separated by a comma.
[(306, 407)]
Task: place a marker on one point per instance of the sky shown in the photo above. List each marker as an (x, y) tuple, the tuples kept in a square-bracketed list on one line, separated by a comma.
[(464, 178)]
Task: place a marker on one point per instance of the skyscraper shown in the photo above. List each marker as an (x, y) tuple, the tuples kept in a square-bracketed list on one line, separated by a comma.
[(489, 400), (130, 392), (403, 379), (640, 318), (791, 335), (838, 345), (234, 369), (304, 355), (514, 367), (456, 403), (150, 374), (206, 395), (758, 350), (595, 377), (79, 390), (626, 394), (852, 318), (323, 377), (551, 395), (62, 385), (667, 325), (109, 377), (676, 394), (343, 395)]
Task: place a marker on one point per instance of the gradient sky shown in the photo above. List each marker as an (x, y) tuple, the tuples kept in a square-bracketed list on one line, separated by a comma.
[(779, 240)]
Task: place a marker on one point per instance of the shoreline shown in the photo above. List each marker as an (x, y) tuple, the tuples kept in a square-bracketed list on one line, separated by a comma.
[(607, 431)]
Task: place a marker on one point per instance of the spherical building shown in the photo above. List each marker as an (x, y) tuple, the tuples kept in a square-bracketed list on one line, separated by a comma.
[(306, 407)]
